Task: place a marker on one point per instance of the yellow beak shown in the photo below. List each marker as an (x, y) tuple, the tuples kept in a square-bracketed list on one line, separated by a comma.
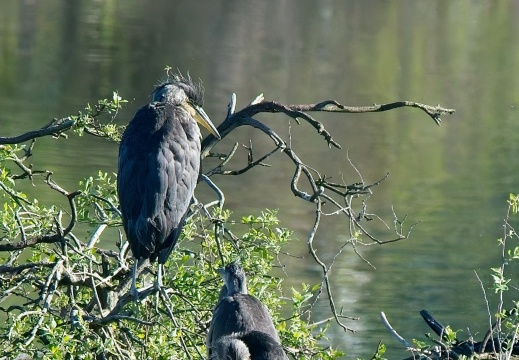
[(201, 117)]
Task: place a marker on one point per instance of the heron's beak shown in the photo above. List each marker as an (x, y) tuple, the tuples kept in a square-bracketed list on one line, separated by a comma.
[(202, 118)]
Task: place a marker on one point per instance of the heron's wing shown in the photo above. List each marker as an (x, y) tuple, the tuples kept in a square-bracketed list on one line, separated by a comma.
[(131, 177), (159, 159), (225, 322), (255, 315)]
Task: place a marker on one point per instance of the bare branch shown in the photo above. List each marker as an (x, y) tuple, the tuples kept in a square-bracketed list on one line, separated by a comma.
[(435, 112), (42, 239), (244, 116), (54, 128), (393, 332)]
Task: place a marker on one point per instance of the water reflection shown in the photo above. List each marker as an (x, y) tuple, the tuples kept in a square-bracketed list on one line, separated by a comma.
[(58, 55)]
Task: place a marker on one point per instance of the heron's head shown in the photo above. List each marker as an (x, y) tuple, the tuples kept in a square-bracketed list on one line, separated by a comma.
[(234, 279), (184, 92)]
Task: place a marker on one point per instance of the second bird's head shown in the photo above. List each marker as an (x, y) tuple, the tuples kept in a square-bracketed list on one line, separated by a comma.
[(234, 279), (181, 91)]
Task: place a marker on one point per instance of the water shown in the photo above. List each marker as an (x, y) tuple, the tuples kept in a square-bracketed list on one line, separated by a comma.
[(57, 55)]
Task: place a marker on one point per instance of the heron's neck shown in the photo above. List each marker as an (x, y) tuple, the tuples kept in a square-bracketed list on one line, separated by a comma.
[(238, 286)]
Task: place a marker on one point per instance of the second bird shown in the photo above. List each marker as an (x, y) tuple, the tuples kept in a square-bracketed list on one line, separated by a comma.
[(159, 163), (241, 328)]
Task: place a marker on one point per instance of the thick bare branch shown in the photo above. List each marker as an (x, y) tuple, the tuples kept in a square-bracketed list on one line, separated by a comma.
[(44, 239), (20, 268), (244, 116), (435, 112), (55, 127)]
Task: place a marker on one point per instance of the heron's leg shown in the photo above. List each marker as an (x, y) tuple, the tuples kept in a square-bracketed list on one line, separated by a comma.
[(133, 289), (139, 266), (158, 284)]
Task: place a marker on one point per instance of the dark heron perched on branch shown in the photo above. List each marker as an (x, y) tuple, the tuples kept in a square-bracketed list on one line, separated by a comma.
[(241, 327), (159, 162)]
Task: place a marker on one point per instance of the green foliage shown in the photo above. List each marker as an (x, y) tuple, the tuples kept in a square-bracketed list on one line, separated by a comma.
[(20, 216), (421, 344), (450, 336), (504, 280), (98, 201), (379, 354), (500, 282), (87, 121), (513, 202)]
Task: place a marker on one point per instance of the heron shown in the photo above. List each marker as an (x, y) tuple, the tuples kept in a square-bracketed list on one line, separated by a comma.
[(158, 169), (241, 327)]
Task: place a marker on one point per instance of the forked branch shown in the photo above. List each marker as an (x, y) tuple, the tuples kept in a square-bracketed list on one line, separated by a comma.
[(341, 196)]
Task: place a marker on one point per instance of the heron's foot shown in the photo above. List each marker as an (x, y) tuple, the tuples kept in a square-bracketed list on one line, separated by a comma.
[(158, 280), (162, 295), (135, 293), (141, 293), (158, 285)]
